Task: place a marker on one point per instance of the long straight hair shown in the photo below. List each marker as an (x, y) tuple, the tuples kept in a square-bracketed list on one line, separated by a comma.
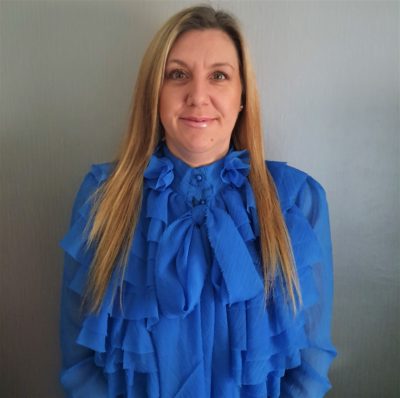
[(117, 202)]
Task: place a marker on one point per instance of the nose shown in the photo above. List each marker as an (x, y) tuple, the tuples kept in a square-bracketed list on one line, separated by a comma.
[(198, 92)]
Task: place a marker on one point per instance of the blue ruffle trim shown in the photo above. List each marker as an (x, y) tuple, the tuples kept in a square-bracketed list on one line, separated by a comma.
[(264, 343), (118, 336)]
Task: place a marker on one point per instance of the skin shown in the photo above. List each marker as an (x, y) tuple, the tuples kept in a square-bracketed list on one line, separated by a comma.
[(201, 96)]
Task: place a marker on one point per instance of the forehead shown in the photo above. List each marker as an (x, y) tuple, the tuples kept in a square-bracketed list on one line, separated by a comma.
[(212, 44)]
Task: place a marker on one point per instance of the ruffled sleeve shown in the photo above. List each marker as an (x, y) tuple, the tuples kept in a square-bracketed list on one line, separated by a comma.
[(310, 378), (80, 376)]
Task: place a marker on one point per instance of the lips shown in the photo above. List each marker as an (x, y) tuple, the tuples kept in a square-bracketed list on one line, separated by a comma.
[(197, 121)]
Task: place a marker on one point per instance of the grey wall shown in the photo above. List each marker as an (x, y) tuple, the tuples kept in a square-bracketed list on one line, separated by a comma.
[(328, 74)]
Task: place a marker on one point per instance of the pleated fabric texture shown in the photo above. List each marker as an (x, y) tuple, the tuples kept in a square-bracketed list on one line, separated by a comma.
[(189, 318)]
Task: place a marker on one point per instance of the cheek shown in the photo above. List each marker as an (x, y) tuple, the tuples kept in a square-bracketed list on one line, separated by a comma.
[(170, 103), (231, 111), (164, 106), (230, 103)]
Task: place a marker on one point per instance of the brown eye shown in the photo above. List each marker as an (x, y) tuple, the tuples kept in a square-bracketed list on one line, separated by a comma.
[(176, 74), (219, 76)]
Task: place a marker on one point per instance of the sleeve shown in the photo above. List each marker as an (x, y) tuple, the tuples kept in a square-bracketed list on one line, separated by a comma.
[(310, 378), (80, 376)]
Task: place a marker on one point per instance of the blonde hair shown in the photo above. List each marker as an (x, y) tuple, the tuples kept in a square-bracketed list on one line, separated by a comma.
[(117, 202)]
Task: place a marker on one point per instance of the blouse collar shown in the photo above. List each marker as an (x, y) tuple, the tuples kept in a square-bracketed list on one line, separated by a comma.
[(166, 170)]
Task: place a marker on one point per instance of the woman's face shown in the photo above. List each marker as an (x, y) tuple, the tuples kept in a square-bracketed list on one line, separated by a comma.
[(200, 96)]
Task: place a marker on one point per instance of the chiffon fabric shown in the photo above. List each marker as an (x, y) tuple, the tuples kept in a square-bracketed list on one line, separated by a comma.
[(189, 318)]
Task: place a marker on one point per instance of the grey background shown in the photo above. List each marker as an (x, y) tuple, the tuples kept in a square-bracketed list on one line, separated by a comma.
[(328, 75)]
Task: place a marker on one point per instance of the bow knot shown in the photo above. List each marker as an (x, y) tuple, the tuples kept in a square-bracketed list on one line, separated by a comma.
[(184, 256), (159, 173), (236, 168)]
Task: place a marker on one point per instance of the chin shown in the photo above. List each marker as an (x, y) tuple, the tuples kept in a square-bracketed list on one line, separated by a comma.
[(198, 145), (203, 147)]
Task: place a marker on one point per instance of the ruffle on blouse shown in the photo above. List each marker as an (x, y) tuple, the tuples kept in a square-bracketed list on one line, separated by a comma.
[(264, 341), (118, 336)]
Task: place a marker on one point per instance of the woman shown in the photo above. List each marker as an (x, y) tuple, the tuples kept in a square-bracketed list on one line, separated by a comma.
[(192, 267)]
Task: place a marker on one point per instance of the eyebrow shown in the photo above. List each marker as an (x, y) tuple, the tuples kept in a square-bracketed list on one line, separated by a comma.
[(214, 65)]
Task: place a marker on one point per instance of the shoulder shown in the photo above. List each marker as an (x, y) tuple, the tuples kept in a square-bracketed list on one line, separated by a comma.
[(96, 175), (99, 172), (93, 178), (294, 186)]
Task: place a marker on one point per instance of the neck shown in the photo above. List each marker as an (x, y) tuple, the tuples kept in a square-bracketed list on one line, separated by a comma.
[(196, 159)]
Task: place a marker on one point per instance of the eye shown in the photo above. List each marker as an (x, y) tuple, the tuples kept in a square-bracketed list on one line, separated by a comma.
[(176, 74), (219, 75)]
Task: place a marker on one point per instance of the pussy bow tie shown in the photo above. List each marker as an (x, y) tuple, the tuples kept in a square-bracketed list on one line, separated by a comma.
[(213, 237)]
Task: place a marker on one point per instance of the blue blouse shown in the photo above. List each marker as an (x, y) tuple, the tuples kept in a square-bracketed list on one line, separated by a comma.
[(193, 321)]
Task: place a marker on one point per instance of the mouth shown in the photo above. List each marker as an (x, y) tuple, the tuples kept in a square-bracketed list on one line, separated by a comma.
[(197, 121)]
